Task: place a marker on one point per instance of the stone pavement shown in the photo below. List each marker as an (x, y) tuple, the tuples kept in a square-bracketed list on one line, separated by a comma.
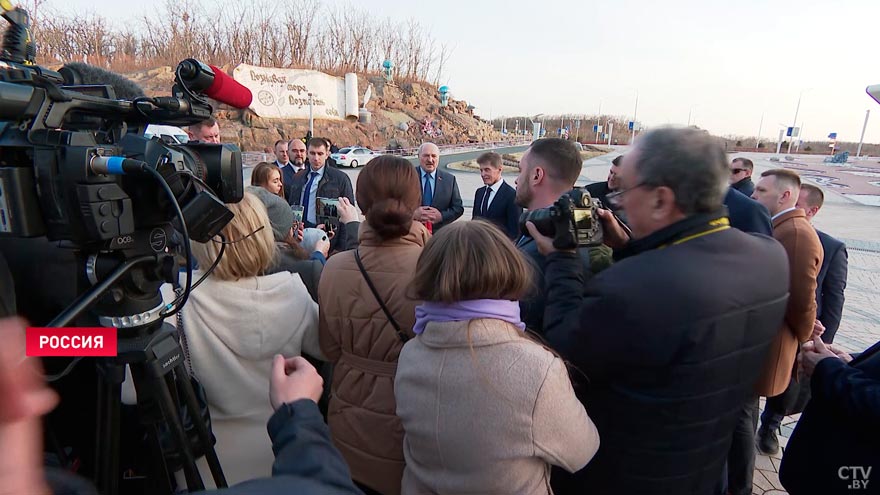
[(853, 222)]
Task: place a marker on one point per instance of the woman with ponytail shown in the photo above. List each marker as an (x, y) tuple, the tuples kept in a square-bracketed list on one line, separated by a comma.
[(365, 317)]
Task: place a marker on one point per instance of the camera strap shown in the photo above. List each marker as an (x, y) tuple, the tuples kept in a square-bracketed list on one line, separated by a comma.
[(357, 259)]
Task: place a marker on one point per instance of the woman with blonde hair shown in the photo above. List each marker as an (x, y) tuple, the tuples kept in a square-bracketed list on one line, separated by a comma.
[(365, 318), (269, 177), (485, 408), (234, 323)]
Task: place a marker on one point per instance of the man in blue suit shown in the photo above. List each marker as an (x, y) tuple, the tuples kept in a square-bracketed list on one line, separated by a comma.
[(830, 285), (441, 201), (496, 201)]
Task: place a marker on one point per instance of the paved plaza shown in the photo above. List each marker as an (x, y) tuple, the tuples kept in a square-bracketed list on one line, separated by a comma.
[(846, 218)]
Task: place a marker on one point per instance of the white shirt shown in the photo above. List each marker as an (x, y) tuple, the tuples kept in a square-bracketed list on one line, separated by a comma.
[(783, 212), (493, 190), (311, 215)]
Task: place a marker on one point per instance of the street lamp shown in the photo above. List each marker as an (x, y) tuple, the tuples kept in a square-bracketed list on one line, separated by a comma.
[(794, 122), (311, 118), (635, 114)]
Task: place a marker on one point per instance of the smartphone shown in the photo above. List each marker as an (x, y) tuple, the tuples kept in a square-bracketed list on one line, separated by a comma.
[(297, 213), (327, 210)]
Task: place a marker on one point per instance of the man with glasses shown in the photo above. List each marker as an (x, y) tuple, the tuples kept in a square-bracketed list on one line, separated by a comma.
[(670, 340), (741, 175)]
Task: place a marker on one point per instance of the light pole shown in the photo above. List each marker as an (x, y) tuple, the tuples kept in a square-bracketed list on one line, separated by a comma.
[(635, 114), (794, 122), (760, 128), (311, 118), (862, 138)]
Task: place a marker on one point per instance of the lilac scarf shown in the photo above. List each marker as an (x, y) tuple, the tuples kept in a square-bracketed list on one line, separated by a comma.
[(468, 310)]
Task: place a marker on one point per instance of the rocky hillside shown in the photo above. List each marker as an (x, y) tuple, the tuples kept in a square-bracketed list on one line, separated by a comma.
[(403, 116)]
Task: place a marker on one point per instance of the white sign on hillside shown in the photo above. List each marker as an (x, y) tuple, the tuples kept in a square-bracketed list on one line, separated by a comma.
[(284, 93)]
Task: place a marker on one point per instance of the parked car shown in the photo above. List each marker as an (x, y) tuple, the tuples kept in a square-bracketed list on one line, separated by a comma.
[(353, 156), (167, 133)]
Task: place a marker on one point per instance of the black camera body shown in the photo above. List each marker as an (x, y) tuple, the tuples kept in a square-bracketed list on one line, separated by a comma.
[(572, 221)]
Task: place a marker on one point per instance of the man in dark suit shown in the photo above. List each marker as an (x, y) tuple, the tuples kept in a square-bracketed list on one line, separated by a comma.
[(600, 190), (496, 201), (830, 285), (669, 354), (549, 169), (441, 201), (296, 150), (741, 175), (746, 214), (319, 181)]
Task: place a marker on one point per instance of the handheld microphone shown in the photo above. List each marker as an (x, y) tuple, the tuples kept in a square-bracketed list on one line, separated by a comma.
[(78, 73), (215, 83)]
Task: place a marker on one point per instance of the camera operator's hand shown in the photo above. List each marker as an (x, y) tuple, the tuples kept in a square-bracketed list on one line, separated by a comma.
[(347, 212), (614, 234), (818, 329), (25, 397), (544, 243), (293, 379)]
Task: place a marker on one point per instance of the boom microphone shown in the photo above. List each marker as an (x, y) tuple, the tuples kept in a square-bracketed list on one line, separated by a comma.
[(214, 83), (77, 73)]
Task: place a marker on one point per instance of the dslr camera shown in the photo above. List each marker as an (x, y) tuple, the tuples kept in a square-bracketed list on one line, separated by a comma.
[(572, 221)]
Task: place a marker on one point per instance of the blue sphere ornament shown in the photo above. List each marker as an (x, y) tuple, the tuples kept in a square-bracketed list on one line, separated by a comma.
[(444, 90), (387, 64)]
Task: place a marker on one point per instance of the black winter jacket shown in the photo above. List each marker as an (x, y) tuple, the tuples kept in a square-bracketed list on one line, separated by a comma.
[(672, 338)]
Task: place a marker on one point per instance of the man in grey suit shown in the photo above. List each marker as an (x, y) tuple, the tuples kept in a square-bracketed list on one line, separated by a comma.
[(441, 201)]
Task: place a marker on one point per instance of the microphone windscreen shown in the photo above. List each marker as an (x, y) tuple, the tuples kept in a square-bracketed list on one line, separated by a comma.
[(76, 73), (227, 90)]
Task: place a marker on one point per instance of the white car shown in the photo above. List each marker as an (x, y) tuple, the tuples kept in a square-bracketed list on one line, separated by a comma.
[(353, 156), (169, 134)]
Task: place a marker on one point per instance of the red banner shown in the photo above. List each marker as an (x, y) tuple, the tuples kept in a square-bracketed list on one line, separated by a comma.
[(85, 342)]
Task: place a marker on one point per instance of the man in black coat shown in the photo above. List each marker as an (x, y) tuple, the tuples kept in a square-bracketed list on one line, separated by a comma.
[(830, 286), (833, 448), (496, 201), (746, 214), (549, 169), (601, 190), (741, 175), (671, 338), (297, 163), (441, 201), (319, 181)]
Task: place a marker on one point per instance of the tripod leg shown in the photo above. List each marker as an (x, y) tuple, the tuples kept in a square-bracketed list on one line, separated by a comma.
[(189, 397), (169, 412), (107, 442)]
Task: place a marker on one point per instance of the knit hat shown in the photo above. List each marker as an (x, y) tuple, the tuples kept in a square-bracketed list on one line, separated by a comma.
[(280, 214)]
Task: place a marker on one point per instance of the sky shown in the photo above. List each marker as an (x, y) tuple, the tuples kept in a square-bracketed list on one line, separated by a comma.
[(724, 64)]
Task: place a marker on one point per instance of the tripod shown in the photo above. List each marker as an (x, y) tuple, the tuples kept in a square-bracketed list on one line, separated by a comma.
[(151, 350), (160, 378)]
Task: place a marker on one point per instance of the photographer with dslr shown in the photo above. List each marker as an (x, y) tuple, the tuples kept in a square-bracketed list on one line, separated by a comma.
[(673, 336), (549, 170)]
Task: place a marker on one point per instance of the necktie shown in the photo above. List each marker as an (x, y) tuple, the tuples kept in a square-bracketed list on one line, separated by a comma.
[(427, 193), (306, 195), (485, 206)]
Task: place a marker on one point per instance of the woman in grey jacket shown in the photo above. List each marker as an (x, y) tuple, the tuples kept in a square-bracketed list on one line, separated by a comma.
[(485, 408)]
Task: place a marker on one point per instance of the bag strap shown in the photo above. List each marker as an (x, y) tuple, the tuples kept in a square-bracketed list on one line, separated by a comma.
[(360, 264)]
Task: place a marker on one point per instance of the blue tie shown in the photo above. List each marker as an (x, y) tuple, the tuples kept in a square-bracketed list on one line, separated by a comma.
[(427, 194), (306, 194)]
